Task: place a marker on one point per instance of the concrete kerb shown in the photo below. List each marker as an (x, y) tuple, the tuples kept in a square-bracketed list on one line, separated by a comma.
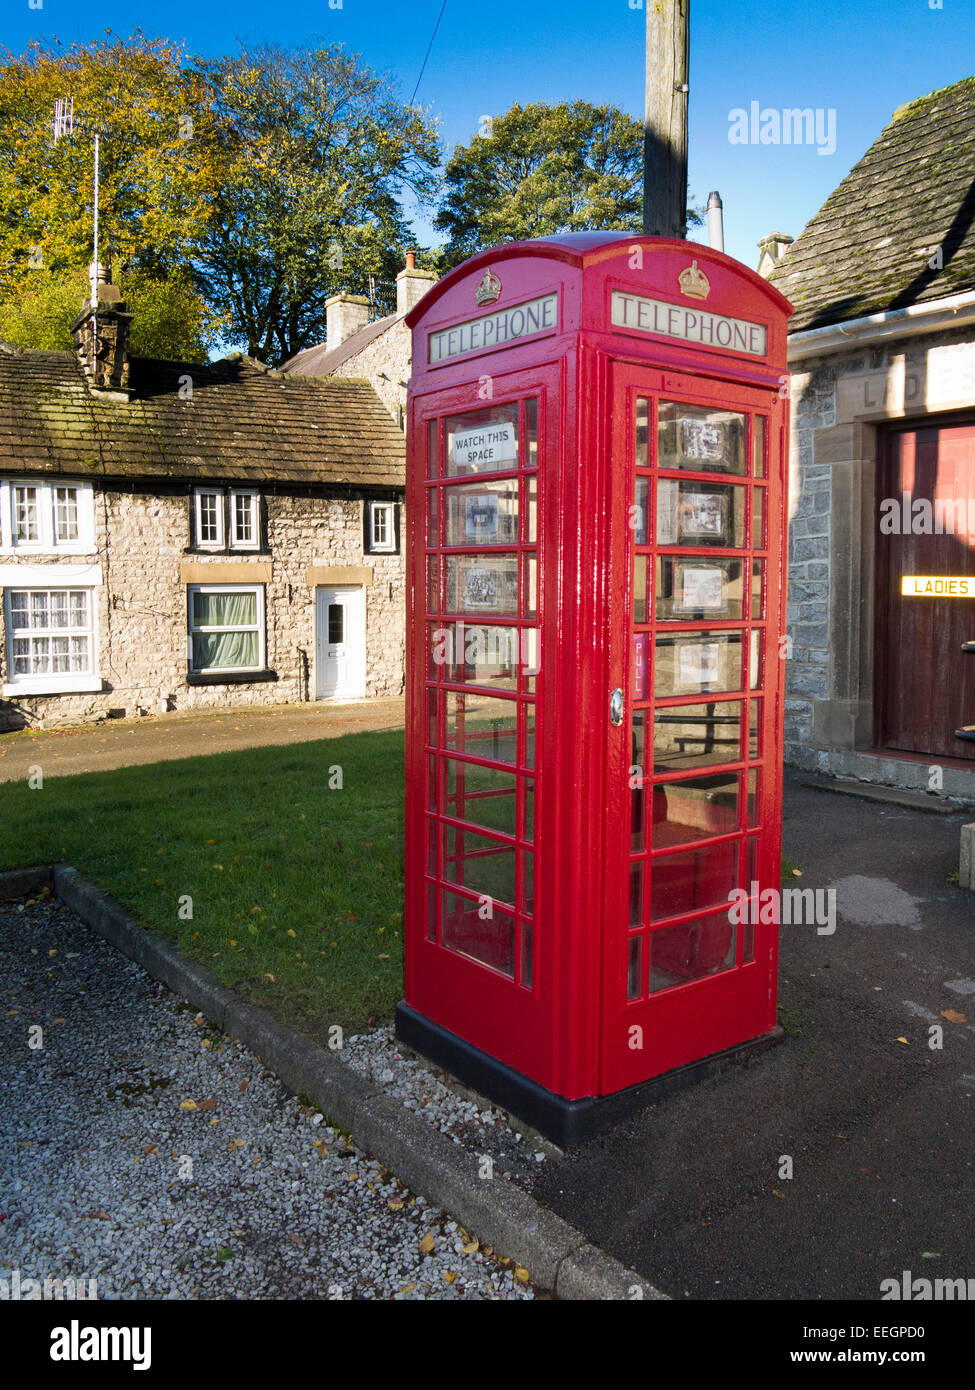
[(556, 1255)]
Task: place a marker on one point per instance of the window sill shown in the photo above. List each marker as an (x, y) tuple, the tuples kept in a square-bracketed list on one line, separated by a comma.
[(257, 554), (228, 677), (57, 685), (86, 550)]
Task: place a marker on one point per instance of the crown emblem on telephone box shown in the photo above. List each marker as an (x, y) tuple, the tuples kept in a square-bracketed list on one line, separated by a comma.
[(693, 282), (489, 288)]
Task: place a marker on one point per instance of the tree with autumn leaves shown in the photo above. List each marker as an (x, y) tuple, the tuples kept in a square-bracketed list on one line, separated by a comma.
[(236, 195)]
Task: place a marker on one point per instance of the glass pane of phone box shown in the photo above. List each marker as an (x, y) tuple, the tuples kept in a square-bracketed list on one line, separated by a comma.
[(695, 809), (697, 663), (691, 951), (695, 588), (686, 736), (694, 878), (482, 513), (700, 514), (700, 438), (490, 940)]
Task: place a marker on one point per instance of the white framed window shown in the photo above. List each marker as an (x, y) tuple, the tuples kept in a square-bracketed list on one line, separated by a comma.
[(225, 520), (244, 521), (381, 527), (226, 628), (208, 508), (39, 515), (51, 632)]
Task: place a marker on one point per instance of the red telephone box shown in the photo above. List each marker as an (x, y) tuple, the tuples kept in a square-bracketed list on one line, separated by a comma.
[(596, 597)]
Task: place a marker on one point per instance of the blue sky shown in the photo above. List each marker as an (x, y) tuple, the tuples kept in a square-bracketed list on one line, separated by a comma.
[(861, 60)]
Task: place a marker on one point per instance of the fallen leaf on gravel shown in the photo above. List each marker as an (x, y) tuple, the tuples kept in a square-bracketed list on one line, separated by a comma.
[(149, 1149), (238, 1143), (470, 1246), (521, 1275), (406, 1288), (952, 1015), (244, 1084), (187, 1105), (427, 1243), (903, 1040), (394, 1205), (99, 1216), (210, 1104), (296, 1240), (450, 1275)]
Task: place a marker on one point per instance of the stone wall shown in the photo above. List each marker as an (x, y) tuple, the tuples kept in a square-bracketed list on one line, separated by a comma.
[(386, 364), (838, 402), (141, 606)]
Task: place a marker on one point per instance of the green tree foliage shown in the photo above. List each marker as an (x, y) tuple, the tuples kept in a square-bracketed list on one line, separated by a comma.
[(170, 321), (316, 150), (539, 170), (156, 183), (241, 192)]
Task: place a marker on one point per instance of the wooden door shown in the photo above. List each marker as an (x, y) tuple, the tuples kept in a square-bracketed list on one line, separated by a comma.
[(925, 683)]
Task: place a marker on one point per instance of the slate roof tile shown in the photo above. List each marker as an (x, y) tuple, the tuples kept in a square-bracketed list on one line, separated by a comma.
[(242, 422), (867, 249)]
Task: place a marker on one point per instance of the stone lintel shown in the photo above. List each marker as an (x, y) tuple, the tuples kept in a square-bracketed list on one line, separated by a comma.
[(225, 572), (338, 574)]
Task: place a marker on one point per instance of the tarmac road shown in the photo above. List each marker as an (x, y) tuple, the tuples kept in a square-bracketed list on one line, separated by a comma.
[(881, 1133)]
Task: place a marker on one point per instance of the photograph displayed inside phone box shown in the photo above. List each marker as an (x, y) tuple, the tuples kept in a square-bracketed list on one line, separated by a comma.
[(597, 466)]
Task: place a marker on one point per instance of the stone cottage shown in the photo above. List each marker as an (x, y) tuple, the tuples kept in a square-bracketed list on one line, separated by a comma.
[(177, 536), (882, 353), (380, 352)]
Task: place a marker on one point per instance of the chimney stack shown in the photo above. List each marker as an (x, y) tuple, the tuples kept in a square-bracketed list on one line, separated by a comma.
[(101, 337), (411, 285), (345, 314), (772, 247)]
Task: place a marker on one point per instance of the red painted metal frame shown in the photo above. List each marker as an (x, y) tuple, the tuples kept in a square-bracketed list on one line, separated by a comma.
[(570, 1031)]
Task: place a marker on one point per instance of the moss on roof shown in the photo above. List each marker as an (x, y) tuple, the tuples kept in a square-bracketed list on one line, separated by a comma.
[(874, 244), (230, 420)]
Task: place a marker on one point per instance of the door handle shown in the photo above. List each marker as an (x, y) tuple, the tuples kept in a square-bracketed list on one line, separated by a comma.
[(616, 707)]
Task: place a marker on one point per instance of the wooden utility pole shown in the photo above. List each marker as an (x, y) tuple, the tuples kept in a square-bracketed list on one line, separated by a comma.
[(665, 121)]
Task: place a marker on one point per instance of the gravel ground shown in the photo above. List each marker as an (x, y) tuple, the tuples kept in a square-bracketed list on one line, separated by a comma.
[(450, 1108), (141, 1148)]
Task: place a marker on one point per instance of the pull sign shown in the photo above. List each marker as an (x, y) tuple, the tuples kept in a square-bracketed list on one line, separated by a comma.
[(616, 707)]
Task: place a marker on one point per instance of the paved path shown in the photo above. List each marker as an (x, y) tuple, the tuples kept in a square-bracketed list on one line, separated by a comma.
[(143, 1149), (156, 738)]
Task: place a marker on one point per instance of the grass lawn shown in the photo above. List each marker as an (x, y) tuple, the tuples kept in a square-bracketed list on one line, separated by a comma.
[(297, 886)]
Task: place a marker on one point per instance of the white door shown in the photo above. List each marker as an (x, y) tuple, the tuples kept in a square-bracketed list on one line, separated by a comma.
[(340, 643)]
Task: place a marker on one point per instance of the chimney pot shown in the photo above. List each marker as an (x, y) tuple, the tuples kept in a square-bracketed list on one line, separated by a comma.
[(411, 285)]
